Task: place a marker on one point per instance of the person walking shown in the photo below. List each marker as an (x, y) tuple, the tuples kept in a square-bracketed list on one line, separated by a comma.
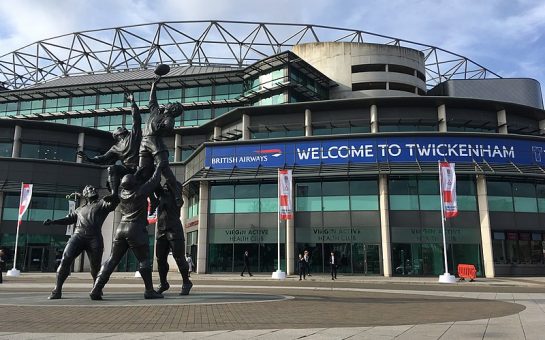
[(306, 257), (302, 266), (2, 263), (246, 264), (190, 263), (333, 262)]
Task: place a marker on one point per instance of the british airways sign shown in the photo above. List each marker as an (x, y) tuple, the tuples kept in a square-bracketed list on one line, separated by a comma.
[(370, 150)]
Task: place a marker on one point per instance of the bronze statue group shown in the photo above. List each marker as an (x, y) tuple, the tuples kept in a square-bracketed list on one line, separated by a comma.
[(144, 158)]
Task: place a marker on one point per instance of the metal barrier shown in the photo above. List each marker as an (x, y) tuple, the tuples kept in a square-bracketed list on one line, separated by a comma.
[(467, 271)]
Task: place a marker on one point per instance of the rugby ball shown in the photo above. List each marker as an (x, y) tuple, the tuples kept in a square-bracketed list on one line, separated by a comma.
[(162, 69)]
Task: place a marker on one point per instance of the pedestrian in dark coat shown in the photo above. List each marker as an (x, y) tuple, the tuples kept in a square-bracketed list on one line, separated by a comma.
[(333, 263), (2, 263), (306, 257), (246, 264), (302, 266)]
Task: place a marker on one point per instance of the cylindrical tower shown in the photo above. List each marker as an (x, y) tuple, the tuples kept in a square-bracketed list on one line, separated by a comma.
[(367, 70)]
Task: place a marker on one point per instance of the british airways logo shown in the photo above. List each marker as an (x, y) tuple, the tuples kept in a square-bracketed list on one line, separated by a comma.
[(251, 157), (272, 152)]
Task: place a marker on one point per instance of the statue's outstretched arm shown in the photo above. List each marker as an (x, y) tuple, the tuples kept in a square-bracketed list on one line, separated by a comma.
[(110, 157), (135, 112), (69, 219)]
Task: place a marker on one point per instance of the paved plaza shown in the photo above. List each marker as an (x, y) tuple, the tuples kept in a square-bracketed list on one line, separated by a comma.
[(227, 306)]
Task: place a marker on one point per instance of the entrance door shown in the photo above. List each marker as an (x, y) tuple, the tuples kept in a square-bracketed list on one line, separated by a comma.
[(372, 259), (366, 258), (37, 258)]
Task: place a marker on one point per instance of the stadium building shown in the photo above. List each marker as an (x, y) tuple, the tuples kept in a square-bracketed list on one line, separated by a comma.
[(361, 119)]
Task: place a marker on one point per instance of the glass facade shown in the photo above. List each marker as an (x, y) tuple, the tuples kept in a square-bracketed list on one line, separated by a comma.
[(193, 206), (48, 151), (340, 217), (519, 247), (42, 207), (415, 226), (265, 80), (309, 84), (243, 217), (6, 149), (505, 196), (36, 253), (516, 212), (117, 100)]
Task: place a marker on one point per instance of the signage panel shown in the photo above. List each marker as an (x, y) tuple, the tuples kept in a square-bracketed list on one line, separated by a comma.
[(381, 149)]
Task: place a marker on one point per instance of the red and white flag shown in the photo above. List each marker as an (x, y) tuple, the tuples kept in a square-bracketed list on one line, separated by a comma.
[(285, 206), (71, 209), (447, 176), (24, 200), (152, 215)]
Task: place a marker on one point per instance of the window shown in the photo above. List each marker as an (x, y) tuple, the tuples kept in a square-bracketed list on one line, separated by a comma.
[(31, 106), (524, 197), (276, 131), (8, 109), (6, 149), (49, 151), (228, 91), (355, 195), (197, 94), (403, 194), (369, 86), (193, 206), (514, 196), (243, 198), (336, 196), (518, 247), (400, 69), (369, 68), (422, 193), (42, 206), (111, 100), (275, 99), (401, 87)]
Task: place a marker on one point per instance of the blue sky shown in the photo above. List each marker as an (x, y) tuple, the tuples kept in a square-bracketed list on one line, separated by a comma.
[(505, 36)]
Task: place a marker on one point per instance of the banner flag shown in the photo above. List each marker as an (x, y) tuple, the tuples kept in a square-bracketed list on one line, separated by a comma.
[(24, 200), (152, 215), (71, 209), (447, 176), (285, 205)]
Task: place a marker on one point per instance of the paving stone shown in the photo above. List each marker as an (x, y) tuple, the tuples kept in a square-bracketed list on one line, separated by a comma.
[(352, 308)]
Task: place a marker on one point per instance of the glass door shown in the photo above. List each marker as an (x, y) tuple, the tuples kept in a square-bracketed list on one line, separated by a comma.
[(372, 259), (366, 259), (358, 258), (37, 258)]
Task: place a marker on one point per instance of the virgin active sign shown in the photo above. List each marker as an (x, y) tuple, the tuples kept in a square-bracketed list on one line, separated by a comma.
[(371, 150)]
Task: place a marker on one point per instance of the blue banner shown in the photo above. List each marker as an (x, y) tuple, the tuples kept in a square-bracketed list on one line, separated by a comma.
[(381, 149)]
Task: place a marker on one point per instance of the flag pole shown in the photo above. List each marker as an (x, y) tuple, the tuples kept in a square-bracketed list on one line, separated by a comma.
[(279, 274), (279, 225), (446, 277), (14, 271)]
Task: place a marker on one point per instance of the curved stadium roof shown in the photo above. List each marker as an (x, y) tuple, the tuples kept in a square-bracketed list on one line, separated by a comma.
[(198, 43)]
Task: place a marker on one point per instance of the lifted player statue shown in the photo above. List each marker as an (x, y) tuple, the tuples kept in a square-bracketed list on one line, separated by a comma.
[(126, 149), (170, 237), (131, 233), (160, 123), (87, 234)]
